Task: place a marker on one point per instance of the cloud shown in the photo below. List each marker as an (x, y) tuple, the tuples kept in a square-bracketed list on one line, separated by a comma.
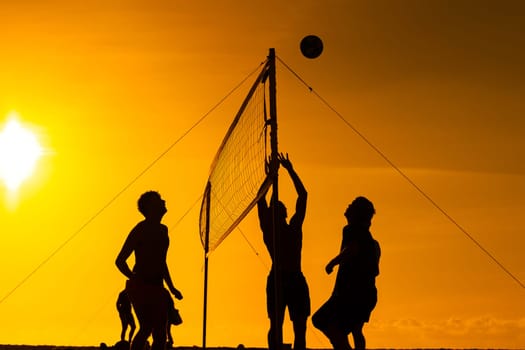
[(479, 331)]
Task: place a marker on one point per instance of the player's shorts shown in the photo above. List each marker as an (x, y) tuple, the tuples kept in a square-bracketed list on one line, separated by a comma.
[(345, 312), (295, 296), (150, 302)]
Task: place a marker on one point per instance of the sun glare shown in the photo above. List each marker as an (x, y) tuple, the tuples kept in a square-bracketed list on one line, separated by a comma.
[(19, 152)]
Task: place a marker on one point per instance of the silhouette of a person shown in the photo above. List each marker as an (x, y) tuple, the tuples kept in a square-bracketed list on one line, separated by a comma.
[(173, 319), (294, 292), (149, 241), (354, 295), (125, 315)]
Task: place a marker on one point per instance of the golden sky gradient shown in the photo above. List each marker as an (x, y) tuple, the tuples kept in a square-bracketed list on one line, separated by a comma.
[(108, 86)]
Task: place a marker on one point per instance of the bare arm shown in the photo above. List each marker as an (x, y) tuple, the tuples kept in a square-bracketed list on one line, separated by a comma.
[(335, 261), (169, 283), (166, 273), (124, 254), (345, 254), (262, 211), (302, 195)]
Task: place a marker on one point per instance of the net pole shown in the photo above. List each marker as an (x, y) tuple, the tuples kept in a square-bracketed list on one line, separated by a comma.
[(277, 340), (206, 250)]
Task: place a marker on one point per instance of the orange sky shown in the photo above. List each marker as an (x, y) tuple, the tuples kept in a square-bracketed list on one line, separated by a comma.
[(437, 86)]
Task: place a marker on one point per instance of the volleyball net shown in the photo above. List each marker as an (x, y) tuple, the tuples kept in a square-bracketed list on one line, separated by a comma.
[(238, 172)]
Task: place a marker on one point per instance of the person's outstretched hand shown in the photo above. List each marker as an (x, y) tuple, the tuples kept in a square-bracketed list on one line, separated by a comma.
[(176, 293), (285, 161), (329, 268)]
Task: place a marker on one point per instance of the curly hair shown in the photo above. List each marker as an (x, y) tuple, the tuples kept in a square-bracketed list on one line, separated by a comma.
[(145, 199), (360, 210)]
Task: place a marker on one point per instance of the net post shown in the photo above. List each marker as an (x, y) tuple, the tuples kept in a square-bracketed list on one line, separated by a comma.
[(206, 251), (277, 338)]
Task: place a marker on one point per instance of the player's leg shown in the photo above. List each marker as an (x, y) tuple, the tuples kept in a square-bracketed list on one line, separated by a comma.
[(276, 323), (299, 329), (141, 297), (132, 327), (359, 338), (160, 326), (140, 339), (275, 313), (297, 297), (170, 337), (159, 337), (124, 326), (338, 339), (327, 320)]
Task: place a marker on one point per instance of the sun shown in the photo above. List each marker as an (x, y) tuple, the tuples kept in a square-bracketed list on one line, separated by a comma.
[(19, 153)]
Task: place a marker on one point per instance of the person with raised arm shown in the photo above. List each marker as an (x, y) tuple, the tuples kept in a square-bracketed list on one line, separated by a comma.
[(294, 292)]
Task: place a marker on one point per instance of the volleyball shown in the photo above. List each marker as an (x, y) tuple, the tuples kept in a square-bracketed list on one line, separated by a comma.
[(311, 46)]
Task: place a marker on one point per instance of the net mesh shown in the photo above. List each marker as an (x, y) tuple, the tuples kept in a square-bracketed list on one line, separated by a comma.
[(237, 173)]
